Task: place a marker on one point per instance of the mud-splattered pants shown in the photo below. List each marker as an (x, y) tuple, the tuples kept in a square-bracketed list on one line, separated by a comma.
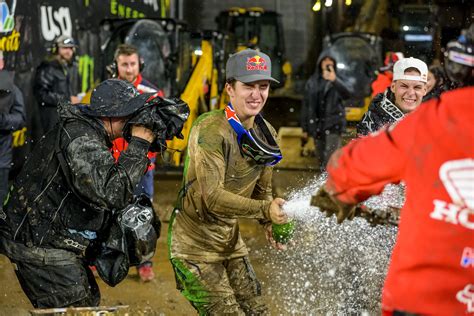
[(229, 287), (52, 277)]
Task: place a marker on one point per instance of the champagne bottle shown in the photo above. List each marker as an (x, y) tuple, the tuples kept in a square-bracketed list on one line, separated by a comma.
[(283, 233)]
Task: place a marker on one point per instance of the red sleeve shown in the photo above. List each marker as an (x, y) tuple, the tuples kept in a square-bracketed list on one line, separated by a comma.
[(366, 165)]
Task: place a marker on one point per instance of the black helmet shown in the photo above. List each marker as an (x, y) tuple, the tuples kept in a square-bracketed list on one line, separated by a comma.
[(115, 98), (460, 58)]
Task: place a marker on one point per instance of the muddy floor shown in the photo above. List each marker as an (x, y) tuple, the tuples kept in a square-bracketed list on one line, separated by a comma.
[(329, 270), (160, 297)]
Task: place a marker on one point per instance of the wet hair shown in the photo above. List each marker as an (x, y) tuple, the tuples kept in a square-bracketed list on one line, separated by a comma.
[(127, 50), (231, 82)]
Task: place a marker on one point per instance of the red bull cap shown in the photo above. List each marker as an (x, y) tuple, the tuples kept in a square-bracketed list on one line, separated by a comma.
[(248, 66)]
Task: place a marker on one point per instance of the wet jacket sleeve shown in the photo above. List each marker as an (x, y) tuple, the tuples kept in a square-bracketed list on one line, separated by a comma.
[(210, 176), (366, 165), (44, 87), (16, 117), (98, 178)]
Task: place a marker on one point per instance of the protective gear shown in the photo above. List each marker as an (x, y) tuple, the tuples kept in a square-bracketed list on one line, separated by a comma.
[(460, 59), (130, 241), (263, 151), (164, 117), (114, 98), (331, 206)]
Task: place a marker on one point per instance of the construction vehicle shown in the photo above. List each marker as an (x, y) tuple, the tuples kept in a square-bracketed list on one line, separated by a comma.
[(258, 29), (180, 62), (358, 57)]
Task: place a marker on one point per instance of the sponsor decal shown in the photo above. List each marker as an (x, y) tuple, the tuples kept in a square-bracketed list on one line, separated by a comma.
[(55, 22), (256, 63), (124, 11), (10, 43), (7, 19), (458, 179), (466, 296), (467, 259)]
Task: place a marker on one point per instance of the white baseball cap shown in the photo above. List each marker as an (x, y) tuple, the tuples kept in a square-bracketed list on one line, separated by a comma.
[(405, 63)]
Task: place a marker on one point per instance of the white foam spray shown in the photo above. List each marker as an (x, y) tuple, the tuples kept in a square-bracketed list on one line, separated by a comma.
[(330, 269)]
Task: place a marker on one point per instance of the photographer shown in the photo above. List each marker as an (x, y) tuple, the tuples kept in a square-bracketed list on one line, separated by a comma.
[(323, 113), (68, 191)]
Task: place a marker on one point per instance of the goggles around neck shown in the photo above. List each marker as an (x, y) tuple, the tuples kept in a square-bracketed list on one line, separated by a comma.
[(263, 152)]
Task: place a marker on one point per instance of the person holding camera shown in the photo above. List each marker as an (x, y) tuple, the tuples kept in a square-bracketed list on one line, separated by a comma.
[(68, 193), (57, 79), (323, 113), (128, 66)]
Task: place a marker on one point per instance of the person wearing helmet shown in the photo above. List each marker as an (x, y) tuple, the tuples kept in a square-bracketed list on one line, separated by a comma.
[(227, 176), (403, 96), (432, 151), (56, 79), (69, 188)]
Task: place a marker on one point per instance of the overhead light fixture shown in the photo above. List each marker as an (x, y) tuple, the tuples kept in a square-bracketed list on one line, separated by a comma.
[(348, 2), (328, 3), (317, 6)]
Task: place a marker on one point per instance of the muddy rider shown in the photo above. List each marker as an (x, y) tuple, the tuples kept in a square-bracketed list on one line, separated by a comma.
[(227, 176)]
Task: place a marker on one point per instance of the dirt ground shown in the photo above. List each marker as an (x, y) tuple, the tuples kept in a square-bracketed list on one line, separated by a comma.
[(160, 297)]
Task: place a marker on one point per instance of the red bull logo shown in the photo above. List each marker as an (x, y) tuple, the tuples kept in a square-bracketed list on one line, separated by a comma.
[(256, 63)]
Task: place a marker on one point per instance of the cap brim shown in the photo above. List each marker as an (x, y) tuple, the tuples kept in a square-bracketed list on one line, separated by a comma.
[(253, 78)]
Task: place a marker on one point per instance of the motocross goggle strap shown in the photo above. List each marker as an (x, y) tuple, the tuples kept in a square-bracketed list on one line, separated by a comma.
[(263, 152)]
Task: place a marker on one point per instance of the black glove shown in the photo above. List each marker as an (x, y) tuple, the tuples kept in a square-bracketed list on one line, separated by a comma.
[(331, 206)]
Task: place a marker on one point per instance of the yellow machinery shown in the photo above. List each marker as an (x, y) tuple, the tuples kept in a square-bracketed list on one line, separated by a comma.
[(203, 80)]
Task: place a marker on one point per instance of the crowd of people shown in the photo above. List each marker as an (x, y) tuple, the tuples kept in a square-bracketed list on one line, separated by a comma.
[(97, 158)]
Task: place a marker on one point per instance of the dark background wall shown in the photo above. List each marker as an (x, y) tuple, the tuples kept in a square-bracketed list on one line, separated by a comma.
[(296, 17)]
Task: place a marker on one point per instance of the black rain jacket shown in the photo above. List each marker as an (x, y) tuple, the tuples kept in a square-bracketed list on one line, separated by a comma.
[(43, 210), (323, 109)]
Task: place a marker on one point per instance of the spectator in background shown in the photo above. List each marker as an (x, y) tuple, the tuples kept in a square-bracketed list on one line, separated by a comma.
[(56, 78), (323, 112), (128, 66), (403, 96), (385, 74), (12, 117), (432, 151), (437, 83)]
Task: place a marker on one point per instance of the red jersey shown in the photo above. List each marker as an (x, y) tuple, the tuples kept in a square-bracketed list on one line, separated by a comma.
[(432, 151), (119, 144), (383, 81)]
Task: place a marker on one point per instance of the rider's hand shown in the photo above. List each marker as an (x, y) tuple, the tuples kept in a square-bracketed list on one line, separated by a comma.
[(273, 242), (277, 216)]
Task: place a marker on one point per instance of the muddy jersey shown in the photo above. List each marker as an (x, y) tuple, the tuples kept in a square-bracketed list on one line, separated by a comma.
[(432, 151), (221, 185)]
